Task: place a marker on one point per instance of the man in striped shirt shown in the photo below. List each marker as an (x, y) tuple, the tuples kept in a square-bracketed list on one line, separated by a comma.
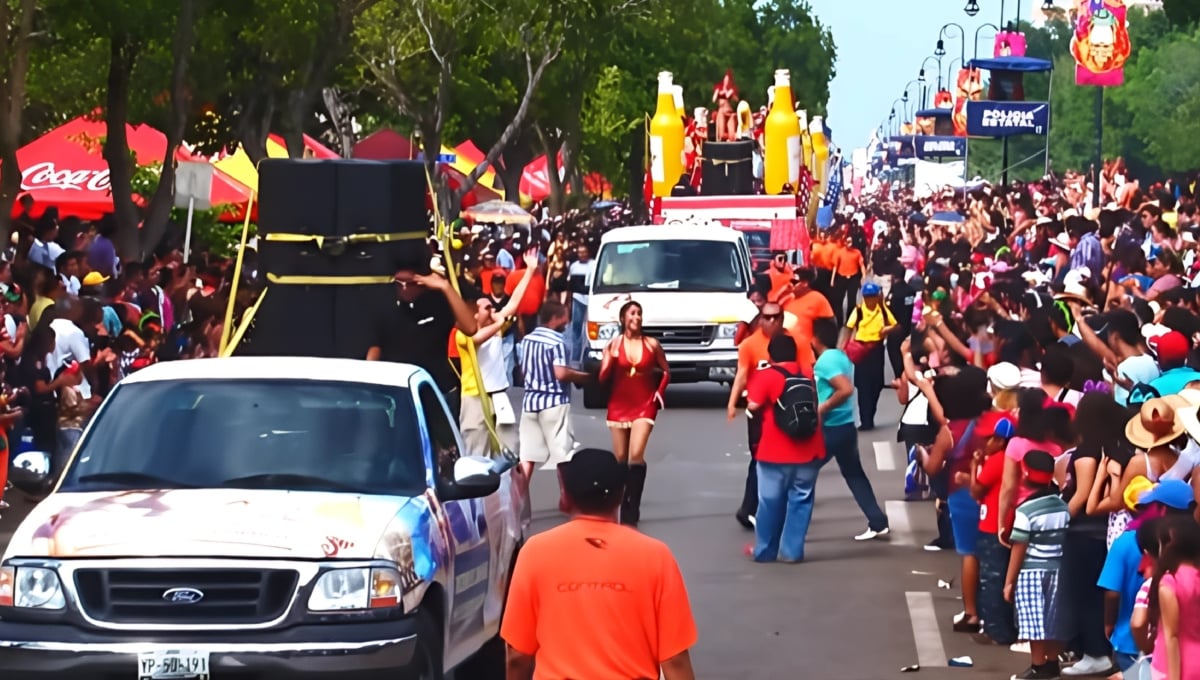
[(545, 430)]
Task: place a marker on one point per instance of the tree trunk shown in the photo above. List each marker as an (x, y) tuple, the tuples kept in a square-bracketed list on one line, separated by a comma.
[(116, 145), (339, 116), (254, 127), (158, 213), (14, 53), (511, 167)]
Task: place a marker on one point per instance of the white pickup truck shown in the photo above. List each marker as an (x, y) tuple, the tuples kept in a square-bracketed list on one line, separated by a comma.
[(693, 282), (264, 517)]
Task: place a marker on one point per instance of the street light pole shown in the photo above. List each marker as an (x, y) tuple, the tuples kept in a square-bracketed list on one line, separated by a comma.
[(992, 26), (962, 37)]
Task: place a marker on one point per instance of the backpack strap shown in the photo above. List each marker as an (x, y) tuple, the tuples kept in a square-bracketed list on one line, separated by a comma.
[(961, 445)]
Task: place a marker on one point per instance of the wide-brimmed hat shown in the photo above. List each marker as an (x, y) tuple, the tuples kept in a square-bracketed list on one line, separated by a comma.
[(1062, 241), (1074, 291), (1157, 423)]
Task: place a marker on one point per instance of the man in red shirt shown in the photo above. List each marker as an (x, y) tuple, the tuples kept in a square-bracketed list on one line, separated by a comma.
[(787, 467)]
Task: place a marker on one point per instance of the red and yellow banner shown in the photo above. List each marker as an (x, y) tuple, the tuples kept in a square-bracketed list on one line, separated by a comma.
[(1100, 43)]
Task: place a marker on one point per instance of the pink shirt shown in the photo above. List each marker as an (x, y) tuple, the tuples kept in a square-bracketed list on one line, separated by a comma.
[(1186, 584), (1016, 450)]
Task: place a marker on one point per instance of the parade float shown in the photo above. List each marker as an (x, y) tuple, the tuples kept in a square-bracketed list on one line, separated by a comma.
[(762, 173)]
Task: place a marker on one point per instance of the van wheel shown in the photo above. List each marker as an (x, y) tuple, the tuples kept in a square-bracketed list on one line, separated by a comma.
[(593, 398), (427, 660)]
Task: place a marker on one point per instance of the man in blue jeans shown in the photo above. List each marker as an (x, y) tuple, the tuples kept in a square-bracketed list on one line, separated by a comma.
[(835, 387), (787, 468)]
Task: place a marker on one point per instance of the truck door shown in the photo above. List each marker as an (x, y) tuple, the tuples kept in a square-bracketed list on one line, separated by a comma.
[(464, 524)]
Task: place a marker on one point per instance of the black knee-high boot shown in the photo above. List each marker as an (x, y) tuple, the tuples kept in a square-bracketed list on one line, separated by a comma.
[(631, 505)]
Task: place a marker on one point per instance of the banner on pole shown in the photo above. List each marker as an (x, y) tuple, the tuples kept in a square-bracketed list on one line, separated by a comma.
[(1005, 119), (1100, 42), (940, 146)]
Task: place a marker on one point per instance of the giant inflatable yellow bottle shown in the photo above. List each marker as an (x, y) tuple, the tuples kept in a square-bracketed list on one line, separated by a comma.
[(666, 139), (782, 139), (820, 144)]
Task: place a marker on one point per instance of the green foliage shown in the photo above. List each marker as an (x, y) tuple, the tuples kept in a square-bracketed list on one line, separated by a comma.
[(1182, 12)]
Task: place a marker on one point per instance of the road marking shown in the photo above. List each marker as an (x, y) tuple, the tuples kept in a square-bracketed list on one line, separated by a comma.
[(899, 522), (926, 635), (885, 458)]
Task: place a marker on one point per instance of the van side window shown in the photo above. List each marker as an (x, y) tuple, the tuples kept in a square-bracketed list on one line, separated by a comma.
[(441, 434)]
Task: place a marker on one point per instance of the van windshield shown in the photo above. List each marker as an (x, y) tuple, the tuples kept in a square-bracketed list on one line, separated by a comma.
[(253, 434), (688, 266)]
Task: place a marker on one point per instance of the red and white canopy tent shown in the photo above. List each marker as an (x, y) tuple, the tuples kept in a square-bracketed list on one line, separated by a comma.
[(389, 145), (65, 169), (535, 180)]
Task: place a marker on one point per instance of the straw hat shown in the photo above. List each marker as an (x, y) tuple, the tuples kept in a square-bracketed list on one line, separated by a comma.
[(1074, 291), (1061, 240), (1157, 423)]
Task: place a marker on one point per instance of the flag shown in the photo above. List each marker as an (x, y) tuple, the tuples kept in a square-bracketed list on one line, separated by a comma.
[(834, 193), (804, 187)]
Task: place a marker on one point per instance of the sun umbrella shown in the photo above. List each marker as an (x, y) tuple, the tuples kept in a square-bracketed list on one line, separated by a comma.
[(500, 212)]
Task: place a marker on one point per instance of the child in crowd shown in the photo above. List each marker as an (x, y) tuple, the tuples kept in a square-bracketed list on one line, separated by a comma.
[(73, 412), (986, 473), (1139, 623), (1038, 533)]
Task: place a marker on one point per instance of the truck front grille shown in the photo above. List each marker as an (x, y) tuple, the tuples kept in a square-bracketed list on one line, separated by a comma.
[(227, 596), (682, 336)]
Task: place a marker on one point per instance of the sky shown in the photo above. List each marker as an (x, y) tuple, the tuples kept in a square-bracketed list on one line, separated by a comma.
[(880, 47)]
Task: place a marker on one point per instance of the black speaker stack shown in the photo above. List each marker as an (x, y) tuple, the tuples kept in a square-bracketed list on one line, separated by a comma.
[(728, 169), (325, 297)]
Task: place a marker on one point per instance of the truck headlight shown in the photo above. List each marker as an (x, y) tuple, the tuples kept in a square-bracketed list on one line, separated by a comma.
[(358, 588), (31, 588), (727, 331), (602, 331)]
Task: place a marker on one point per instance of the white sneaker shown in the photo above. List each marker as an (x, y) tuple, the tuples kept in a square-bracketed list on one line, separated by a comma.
[(959, 617), (753, 521), (1088, 665), (1019, 648), (871, 533)]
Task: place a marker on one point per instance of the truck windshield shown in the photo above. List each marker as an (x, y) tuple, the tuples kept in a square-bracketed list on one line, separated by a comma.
[(253, 434), (690, 266)]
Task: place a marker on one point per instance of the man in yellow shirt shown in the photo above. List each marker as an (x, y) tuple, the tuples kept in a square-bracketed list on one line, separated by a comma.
[(47, 289), (869, 324)]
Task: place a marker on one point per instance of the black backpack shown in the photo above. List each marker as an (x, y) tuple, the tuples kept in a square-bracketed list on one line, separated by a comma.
[(796, 408)]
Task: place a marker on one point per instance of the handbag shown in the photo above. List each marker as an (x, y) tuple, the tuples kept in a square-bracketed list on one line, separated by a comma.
[(856, 350)]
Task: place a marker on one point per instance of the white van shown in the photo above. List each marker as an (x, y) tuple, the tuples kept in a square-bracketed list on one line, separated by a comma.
[(692, 280)]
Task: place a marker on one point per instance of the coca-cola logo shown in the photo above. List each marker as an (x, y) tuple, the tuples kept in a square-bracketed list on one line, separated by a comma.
[(46, 176)]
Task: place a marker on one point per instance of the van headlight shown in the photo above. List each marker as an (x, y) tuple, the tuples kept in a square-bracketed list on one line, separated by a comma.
[(31, 588), (727, 331), (607, 331), (355, 589)]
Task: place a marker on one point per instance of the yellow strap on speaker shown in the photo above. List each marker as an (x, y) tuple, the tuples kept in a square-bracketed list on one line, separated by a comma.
[(321, 240), (227, 330), (247, 317), (285, 280)]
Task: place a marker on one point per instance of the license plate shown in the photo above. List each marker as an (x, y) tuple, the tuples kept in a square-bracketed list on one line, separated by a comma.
[(173, 664), (721, 373)]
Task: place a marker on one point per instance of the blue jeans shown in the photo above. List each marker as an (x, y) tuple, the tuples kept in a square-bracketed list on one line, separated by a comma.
[(841, 442), (576, 339), (785, 505)]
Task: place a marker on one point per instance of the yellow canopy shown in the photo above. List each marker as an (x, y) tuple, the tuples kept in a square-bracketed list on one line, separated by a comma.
[(465, 166), (240, 167)]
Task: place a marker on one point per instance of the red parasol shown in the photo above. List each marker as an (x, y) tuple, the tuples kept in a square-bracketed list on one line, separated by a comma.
[(65, 167), (535, 180)]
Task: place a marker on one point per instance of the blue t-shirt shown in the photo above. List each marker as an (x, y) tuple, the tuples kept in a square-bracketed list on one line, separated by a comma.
[(1174, 380), (1120, 575), (832, 363)]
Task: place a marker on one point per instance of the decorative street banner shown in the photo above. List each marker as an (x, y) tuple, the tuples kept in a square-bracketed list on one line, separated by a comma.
[(1005, 119), (932, 146), (1100, 43)]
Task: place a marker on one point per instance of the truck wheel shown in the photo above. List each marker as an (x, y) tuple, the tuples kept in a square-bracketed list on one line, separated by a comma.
[(593, 398), (427, 661)]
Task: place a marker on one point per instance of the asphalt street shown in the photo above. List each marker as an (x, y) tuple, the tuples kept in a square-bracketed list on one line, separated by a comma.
[(851, 611)]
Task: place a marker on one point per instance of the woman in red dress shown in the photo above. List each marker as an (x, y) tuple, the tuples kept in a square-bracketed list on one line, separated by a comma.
[(637, 367)]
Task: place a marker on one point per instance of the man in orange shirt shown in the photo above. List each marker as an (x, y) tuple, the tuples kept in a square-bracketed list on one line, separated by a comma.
[(592, 598), (822, 260), (752, 353), (848, 267), (780, 275), (806, 306)]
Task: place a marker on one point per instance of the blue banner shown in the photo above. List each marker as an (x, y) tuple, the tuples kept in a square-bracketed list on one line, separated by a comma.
[(935, 146), (1005, 119)]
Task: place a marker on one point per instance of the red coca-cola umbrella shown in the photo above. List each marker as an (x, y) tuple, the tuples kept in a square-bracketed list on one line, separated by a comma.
[(65, 168)]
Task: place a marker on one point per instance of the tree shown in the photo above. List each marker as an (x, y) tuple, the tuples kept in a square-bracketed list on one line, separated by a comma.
[(418, 50), (1182, 12), (15, 47)]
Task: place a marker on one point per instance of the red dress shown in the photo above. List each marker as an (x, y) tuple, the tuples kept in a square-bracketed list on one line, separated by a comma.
[(633, 388)]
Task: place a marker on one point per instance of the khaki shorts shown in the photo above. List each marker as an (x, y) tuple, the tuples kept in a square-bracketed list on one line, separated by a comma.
[(546, 435), (476, 436)]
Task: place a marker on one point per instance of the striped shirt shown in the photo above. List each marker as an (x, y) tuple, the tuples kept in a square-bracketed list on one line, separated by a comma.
[(541, 351), (1042, 523)]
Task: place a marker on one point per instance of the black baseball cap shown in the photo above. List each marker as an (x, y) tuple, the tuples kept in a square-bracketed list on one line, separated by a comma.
[(593, 476)]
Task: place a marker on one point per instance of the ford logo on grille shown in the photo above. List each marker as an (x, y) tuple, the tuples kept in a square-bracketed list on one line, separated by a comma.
[(183, 596)]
